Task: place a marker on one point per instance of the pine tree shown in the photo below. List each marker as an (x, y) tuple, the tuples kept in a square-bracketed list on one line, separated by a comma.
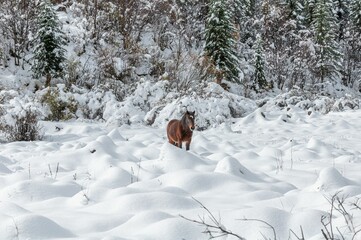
[(309, 7), (240, 9), (328, 56), (49, 54), (355, 17), (341, 10), (259, 80), (292, 7), (301, 55), (220, 43), (353, 49)]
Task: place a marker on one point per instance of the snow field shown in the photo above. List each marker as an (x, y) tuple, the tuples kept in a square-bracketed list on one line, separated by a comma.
[(89, 181)]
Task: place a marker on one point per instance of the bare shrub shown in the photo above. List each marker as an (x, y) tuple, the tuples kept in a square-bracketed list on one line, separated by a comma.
[(72, 71), (59, 108), (24, 127), (213, 227), (339, 205)]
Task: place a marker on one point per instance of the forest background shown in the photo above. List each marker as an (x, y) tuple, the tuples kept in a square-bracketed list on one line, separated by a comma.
[(125, 61)]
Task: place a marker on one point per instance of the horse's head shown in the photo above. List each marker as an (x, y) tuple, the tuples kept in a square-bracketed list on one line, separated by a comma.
[(189, 120)]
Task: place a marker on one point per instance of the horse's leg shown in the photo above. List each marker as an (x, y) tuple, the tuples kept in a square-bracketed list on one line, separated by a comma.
[(188, 145), (180, 144)]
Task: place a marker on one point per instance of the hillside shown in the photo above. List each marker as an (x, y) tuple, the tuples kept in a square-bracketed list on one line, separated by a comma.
[(140, 62), (87, 88)]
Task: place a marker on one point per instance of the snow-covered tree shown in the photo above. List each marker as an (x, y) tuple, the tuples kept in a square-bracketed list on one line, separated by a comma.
[(341, 10), (240, 8), (279, 37), (355, 22), (355, 14), (220, 43), (259, 79), (352, 63), (302, 52), (328, 57), (16, 23), (309, 6), (49, 40)]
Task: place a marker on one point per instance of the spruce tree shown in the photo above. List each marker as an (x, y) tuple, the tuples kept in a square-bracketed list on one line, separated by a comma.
[(302, 54), (328, 57), (341, 10), (220, 44), (49, 54), (292, 7), (355, 17), (240, 8), (309, 8), (353, 66), (259, 80)]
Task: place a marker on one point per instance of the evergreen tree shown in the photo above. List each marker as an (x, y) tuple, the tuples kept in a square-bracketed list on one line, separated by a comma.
[(309, 7), (328, 56), (292, 7), (355, 17), (301, 54), (240, 9), (353, 48), (220, 44), (341, 10), (300, 14), (49, 54), (16, 24), (259, 80)]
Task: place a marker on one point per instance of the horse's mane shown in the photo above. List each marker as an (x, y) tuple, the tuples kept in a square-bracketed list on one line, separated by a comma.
[(183, 121)]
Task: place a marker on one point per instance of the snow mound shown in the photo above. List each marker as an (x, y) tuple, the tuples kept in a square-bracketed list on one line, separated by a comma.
[(315, 144), (115, 135), (172, 158), (32, 226), (12, 209), (38, 190), (4, 169), (102, 145), (230, 165), (258, 116), (170, 228), (143, 220), (330, 179), (322, 148), (113, 177)]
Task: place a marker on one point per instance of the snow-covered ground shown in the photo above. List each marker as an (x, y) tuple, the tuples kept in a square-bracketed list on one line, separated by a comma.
[(90, 181)]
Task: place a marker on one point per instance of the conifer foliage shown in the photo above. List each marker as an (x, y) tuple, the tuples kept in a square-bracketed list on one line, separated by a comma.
[(305, 43), (260, 83), (49, 52), (328, 62), (220, 43)]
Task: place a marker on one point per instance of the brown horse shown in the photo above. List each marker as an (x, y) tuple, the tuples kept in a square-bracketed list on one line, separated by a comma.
[(179, 131)]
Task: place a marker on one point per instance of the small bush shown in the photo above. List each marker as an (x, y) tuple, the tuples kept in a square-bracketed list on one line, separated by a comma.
[(22, 127), (59, 109), (72, 72)]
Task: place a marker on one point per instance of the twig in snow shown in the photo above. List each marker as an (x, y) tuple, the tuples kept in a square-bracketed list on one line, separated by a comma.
[(264, 222), (56, 171), (299, 238), (215, 229)]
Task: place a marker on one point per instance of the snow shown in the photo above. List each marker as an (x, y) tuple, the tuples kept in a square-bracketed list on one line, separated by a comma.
[(108, 176), (90, 180)]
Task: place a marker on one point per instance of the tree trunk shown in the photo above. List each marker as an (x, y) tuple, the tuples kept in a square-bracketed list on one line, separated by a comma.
[(219, 76), (48, 79)]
